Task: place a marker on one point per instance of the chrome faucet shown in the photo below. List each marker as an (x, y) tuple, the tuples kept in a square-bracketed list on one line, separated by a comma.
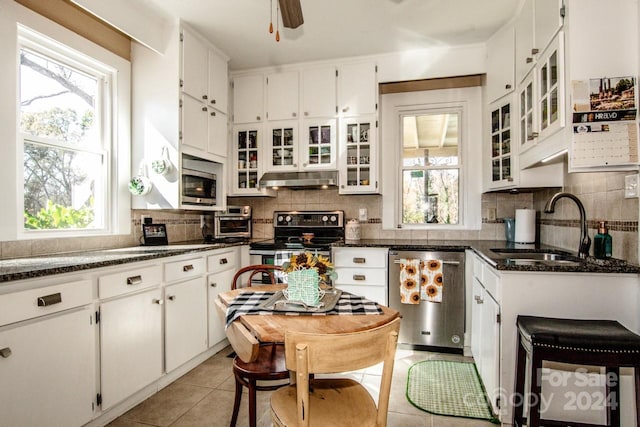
[(585, 241)]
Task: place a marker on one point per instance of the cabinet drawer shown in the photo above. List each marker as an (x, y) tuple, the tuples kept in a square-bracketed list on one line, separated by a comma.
[(111, 285), (360, 257), (222, 261), (478, 268), (38, 302), (490, 282), (361, 276), (178, 270)]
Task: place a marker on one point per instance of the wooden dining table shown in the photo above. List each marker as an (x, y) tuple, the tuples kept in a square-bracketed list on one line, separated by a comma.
[(247, 332)]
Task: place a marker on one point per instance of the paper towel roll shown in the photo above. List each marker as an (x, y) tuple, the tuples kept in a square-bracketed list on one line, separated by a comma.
[(525, 226)]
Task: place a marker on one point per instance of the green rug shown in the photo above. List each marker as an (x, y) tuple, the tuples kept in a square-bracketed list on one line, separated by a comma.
[(448, 388)]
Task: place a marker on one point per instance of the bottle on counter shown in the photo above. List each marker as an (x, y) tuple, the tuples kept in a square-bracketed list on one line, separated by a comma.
[(603, 243)]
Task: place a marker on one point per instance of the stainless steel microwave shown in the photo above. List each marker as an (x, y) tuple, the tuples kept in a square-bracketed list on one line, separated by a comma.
[(198, 188)]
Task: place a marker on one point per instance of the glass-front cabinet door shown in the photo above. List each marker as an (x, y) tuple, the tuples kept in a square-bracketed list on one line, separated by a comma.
[(282, 145), (551, 88), (501, 149), (358, 173), (319, 144), (527, 112), (247, 155)]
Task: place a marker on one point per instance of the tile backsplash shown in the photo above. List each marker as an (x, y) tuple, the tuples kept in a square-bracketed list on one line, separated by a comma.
[(601, 193)]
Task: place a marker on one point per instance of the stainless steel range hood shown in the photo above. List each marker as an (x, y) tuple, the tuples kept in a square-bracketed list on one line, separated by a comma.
[(300, 180)]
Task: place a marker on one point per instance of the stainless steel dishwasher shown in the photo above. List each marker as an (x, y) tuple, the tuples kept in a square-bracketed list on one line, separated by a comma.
[(439, 326)]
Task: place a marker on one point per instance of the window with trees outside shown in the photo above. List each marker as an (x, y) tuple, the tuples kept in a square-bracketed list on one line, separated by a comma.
[(64, 100), (431, 167)]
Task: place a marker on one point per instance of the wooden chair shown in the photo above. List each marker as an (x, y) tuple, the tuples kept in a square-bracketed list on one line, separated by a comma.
[(267, 360), (340, 401)]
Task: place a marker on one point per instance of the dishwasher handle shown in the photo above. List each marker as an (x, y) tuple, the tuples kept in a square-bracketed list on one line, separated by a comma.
[(399, 261)]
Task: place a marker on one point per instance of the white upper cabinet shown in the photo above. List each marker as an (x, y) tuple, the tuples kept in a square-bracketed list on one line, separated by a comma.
[(547, 21), (500, 68), (357, 89), (282, 96), (319, 92), (195, 56), (525, 52), (218, 82), (218, 141), (248, 99), (194, 123)]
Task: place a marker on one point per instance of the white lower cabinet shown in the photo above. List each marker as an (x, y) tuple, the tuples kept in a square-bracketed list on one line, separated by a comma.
[(485, 330), (362, 271), (185, 321), (130, 344), (47, 370)]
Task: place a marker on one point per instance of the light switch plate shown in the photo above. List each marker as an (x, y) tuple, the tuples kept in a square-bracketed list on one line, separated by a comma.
[(631, 186)]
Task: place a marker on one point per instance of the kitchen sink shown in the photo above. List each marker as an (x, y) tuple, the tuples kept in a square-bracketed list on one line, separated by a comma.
[(535, 257)]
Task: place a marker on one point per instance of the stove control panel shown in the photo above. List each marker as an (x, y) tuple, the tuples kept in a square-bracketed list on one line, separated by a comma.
[(308, 219)]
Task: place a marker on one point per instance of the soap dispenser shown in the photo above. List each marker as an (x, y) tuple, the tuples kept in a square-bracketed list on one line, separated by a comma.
[(602, 242)]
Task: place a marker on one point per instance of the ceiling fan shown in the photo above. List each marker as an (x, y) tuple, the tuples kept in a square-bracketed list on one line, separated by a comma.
[(291, 13)]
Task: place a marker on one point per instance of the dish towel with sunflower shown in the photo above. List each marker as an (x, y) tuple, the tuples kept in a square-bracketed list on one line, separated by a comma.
[(432, 282), (420, 280)]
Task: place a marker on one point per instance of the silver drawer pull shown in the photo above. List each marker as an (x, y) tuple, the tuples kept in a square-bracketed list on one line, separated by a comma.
[(171, 297), (223, 261), (188, 267), (359, 277), (359, 260), (5, 352), (134, 280), (213, 285), (48, 300), (158, 301)]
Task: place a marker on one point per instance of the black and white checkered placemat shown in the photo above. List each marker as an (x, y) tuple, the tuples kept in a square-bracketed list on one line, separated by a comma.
[(249, 303)]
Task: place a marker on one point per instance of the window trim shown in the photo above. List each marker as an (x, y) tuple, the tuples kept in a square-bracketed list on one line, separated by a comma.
[(393, 106), (13, 18)]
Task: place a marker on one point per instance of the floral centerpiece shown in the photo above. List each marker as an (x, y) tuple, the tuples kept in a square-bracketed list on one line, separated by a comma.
[(304, 273)]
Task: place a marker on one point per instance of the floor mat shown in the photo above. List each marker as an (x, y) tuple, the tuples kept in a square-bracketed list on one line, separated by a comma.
[(448, 388)]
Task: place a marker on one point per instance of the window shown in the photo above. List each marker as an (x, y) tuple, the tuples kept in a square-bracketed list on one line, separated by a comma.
[(431, 146), (430, 168), (66, 105)]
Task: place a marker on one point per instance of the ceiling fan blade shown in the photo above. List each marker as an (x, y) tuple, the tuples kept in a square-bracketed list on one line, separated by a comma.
[(291, 13)]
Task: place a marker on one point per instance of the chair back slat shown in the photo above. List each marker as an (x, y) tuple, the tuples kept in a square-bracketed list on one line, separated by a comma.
[(252, 270)]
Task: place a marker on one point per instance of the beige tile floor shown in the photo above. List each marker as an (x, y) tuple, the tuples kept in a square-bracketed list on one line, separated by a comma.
[(204, 397)]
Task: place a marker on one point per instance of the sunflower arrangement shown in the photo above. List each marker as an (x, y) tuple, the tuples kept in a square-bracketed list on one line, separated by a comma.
[(309, 261)]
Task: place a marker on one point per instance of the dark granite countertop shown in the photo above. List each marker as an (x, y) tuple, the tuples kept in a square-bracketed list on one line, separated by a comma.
[(45, 265), (499, 261)]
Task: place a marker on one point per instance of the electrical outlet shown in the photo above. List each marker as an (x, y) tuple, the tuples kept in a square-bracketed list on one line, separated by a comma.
[(362, 215), (491, 214), (631, 186)]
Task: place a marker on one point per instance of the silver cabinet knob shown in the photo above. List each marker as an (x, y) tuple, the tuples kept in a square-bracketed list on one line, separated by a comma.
[(213, 285), (507, 86), (345, 109), (294, 114), (171, 297), (534, 51), (213, 114), (157, 301), (5, 352), (258, 118), (529, 60), (205, 97), (213, 101), (204, 109)]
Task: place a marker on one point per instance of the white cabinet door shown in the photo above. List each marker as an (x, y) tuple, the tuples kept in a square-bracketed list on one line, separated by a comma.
[(357, 162), (502, 160), (282, 96), (48, 371), (527, 113), (218, 82), (217, 283), (524, 41), (195, 80), (490, 348), (319, 92), (248, 99), (547, 22), (247, 148), (357, 89), (550, 96), (500, 63), (282, 146), (217, 141), (185, 321), (319, 144), (130, 345), (195, 123)]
